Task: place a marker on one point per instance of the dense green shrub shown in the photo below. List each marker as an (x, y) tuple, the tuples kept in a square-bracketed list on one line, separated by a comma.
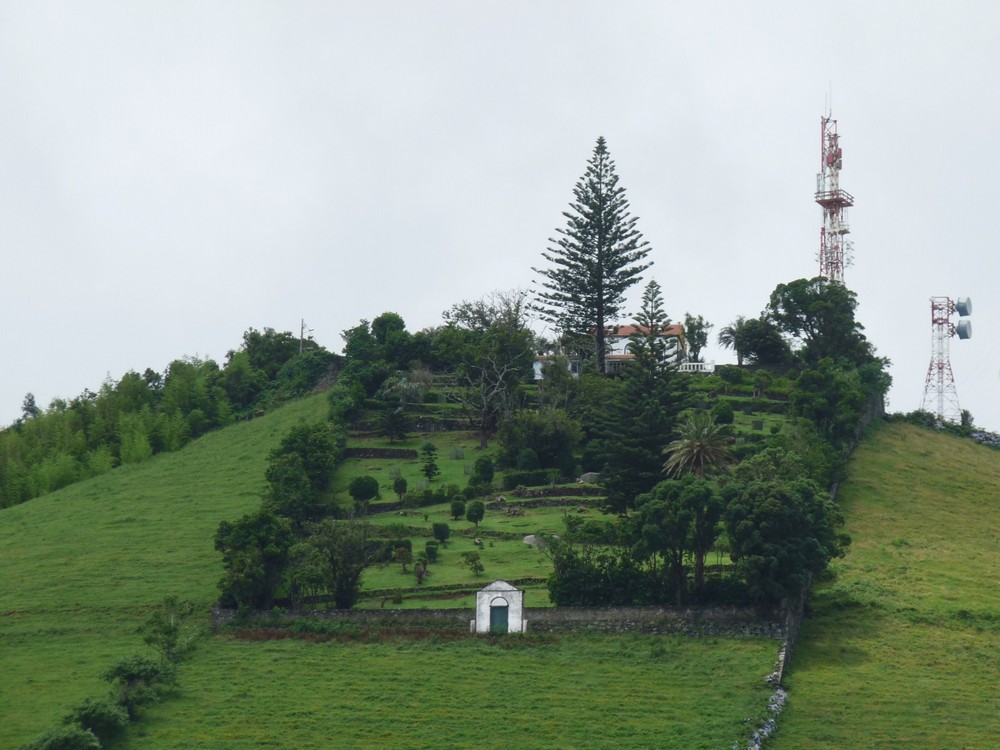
[(538, 439), (723, 412), (70, 737), (137, 680), (478, 490), (431, 550), (441, 532), (730, 374), (363, 488), (527, 460), (381, 551), (104, 718), (475, 512), (482, 471), (512, 479)]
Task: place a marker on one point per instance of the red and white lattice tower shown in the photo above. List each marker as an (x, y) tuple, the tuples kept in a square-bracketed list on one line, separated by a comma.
[(835, 251), (940, 396)]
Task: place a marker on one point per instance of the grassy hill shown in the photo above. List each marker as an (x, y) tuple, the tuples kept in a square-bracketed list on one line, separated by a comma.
[(902, 649), (83, 566)]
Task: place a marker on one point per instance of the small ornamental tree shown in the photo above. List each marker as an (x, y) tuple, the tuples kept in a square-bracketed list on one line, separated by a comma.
[(136, 680), (403, 556), (104, 718), (431, 549), (441, 532), (475, 512), (482, 471), (696, 330), (393, 422), (420, 569), (166, 631), (429, 457), (473, 561), (457, 507), (399, 487), (723, 413), (363, 489), (70, 737)]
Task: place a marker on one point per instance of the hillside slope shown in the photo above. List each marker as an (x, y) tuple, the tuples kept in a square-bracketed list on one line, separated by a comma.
[(82, 566), (85, 565), (902, 649)]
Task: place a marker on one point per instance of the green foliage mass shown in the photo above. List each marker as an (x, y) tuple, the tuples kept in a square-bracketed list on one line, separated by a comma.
[(550, 435), (139, 416)]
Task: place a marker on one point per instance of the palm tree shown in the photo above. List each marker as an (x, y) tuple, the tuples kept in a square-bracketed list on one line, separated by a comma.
[(729, 337), (702, 445)]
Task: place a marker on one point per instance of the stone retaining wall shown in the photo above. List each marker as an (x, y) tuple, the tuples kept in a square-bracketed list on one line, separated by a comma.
[(738, 622)]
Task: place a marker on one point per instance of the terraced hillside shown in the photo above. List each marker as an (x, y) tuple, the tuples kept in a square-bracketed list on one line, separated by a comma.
[(84, 566), (900, 649)]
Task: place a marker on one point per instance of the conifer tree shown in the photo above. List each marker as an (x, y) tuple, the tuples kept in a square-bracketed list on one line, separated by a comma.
[(639, 415), (651, 349), (599, 255)]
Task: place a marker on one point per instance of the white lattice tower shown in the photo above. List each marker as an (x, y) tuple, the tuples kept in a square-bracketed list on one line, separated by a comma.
[(940, 395)]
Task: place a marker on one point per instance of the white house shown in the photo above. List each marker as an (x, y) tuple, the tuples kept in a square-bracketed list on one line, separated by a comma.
[(616, 339), (499, 609)]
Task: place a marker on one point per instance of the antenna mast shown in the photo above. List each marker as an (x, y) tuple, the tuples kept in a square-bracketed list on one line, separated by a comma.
[(835, 252), (940, 396)]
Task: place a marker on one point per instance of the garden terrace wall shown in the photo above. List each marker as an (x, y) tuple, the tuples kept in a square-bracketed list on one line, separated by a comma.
[(544, 502), (733, 622), (399, 453), (580, 490)]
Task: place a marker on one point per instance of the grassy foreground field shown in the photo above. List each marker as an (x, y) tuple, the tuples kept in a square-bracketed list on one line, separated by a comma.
[(84, 566), (574, 691), (902, 650)]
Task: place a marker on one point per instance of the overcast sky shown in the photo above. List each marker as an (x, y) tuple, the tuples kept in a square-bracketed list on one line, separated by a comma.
[(173, 173)]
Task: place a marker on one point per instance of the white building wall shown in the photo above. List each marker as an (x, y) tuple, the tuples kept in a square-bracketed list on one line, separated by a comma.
[(515, 607)]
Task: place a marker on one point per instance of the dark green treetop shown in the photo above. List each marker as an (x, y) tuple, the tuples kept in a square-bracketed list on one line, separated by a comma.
[(597, 257)]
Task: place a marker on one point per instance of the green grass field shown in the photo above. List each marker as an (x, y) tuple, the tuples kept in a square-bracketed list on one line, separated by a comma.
[(84, 566), (902, 649), (572, 691)]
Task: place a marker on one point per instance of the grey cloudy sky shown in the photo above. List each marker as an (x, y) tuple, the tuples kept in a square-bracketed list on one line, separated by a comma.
[(173, 173)]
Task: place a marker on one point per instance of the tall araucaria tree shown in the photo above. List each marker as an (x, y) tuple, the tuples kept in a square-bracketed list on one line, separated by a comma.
[(599, 255)]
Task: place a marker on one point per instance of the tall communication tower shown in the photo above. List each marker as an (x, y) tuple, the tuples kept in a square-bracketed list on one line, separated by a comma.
[(835, 252), (940, 396)]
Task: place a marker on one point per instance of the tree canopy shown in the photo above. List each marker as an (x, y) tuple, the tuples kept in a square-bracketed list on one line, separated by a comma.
[(598, 256), (820, 314)]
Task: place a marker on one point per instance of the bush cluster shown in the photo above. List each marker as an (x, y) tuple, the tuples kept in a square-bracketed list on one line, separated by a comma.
[(135, 681)]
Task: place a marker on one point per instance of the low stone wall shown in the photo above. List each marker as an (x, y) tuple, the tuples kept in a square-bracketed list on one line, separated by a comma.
[(398, 453), (738, 622)]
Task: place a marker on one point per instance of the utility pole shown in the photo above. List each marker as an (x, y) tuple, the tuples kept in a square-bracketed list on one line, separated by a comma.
[(302, 335)]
